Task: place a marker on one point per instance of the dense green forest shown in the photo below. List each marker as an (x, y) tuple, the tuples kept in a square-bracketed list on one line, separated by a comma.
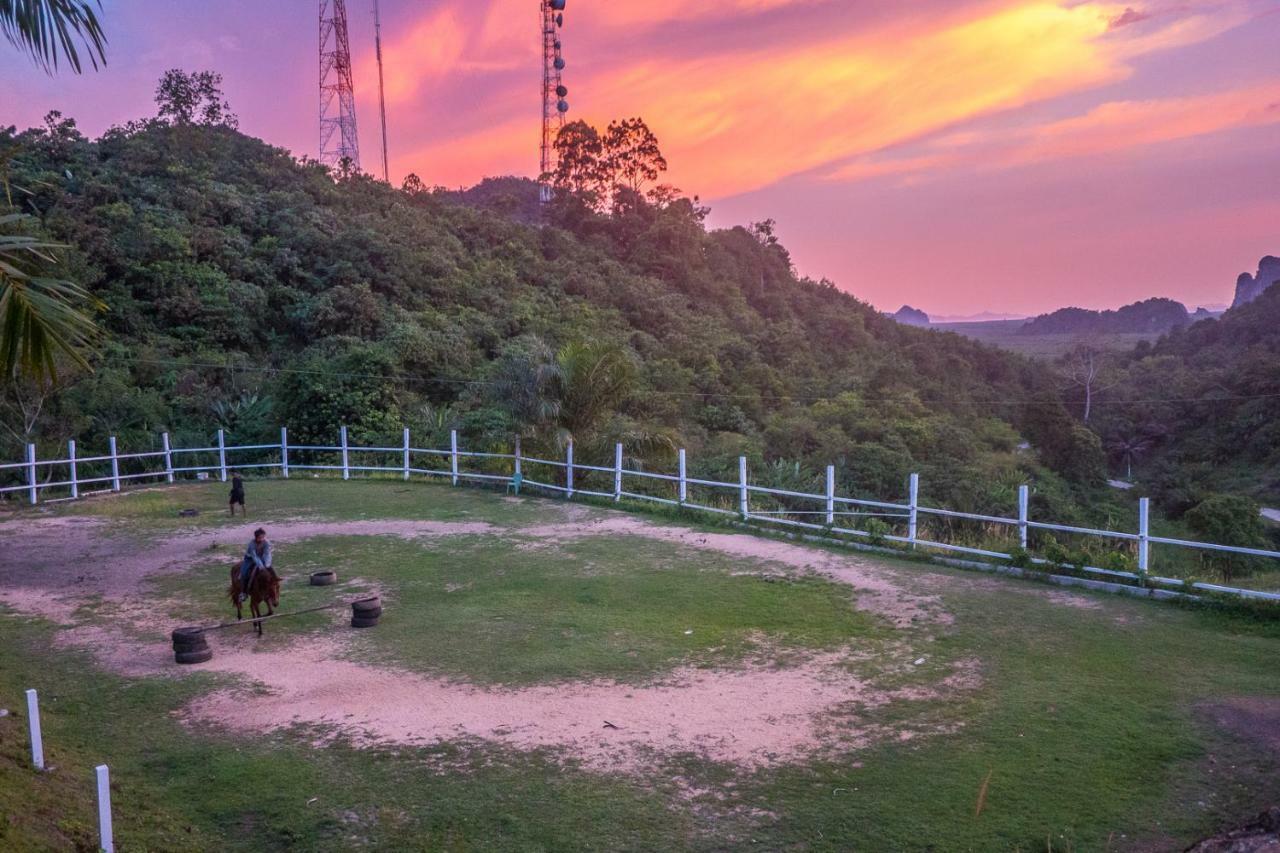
[(245, 289), (1198, 411)]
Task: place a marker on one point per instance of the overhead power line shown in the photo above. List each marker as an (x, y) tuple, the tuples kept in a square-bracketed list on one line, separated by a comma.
[(710, 395)]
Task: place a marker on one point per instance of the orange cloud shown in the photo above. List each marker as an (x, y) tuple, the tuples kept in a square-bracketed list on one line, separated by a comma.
[(1111, 127), (732, 119)]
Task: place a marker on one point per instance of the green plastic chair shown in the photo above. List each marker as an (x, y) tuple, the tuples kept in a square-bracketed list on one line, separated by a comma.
[(513, 486)]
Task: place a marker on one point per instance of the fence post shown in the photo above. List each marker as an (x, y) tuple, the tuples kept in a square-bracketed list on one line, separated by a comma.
[(31, 471), (115, 464), (742, 488), (406, 453), (104, 809), (1023, 502), (168, 456), (617, 471), (33, 718), (342, 440), (568, 470), (684, 478), (911, 518), (831, 496), (453, 455), (75, 478), (284, 452), (518, 472), (1144, 533), (222, 456)]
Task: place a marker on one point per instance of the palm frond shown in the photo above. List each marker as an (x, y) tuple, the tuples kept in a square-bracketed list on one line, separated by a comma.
[(53, 29), (41, 317)]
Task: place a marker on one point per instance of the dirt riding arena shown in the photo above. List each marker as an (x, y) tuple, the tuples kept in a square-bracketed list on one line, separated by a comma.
[(721, 668)]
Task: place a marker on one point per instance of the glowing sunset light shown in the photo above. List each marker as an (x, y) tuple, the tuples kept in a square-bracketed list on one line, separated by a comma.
[(869, 130)]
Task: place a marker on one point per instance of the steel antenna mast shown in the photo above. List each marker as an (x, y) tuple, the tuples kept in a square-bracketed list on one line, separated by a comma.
[(338, 141), (554, 105), (382, 97)]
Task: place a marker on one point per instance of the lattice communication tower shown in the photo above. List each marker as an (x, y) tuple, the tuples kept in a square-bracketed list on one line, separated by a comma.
[(338, 141)]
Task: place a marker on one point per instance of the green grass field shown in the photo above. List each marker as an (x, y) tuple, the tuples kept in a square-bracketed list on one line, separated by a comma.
[(1099, 723)]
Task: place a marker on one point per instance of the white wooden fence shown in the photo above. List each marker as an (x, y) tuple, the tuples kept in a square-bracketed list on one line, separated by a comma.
[(167, 464)]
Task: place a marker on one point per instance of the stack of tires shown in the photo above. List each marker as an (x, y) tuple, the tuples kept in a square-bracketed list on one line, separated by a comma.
[(190, 645), (365, 613)]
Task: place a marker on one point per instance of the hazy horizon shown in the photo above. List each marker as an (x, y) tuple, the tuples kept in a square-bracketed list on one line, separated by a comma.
[(959, 156)]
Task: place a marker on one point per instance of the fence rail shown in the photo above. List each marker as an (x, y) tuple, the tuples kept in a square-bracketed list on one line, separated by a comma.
[(285, 458)]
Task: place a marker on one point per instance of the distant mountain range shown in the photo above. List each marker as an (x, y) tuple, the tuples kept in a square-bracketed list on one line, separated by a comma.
[(1150, 315), (1156, 315), (981, 317)]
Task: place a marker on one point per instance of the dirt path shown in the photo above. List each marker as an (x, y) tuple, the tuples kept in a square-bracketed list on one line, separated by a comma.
[(750, 716)]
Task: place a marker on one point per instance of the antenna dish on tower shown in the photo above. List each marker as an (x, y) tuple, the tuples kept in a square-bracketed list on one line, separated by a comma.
[(554, 105)]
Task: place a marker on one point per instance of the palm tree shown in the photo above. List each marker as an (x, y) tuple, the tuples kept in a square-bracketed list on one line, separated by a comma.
[(1127, 447), (40, 316), (49, 30)]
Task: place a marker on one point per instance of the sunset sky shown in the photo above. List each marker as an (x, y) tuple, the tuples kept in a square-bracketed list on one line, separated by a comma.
[(957, 155)]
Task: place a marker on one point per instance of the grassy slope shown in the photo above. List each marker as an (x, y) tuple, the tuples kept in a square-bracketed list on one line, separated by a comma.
[(1087, 720)]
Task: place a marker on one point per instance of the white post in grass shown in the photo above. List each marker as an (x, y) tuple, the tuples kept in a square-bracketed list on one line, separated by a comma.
[(222, 456), (742, 488), (1144, 533), (168, 456), (912, 514), (684, 477), (104, 809), (568, 470), (453, 455), (406, 453), (33, 719), (31, 471), (115, 464), (71, 459), (831, 496), (617, 471), (342, 442), (518, 472), (284, 452), (1023, 503)]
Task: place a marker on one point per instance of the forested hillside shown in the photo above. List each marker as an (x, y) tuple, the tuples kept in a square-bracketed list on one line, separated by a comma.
[(1199, 410), (1150, 315), (246, 290)]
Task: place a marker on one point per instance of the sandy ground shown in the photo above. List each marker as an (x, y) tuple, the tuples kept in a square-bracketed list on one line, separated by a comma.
[(750, 715)]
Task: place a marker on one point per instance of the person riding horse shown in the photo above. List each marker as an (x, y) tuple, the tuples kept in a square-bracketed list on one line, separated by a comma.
[(257, 557)]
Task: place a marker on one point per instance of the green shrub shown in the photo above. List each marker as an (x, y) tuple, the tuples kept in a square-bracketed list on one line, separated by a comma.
[(876, 531)]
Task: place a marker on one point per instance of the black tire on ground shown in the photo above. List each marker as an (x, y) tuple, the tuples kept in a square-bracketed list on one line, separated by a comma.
[(325, 578), (366, 606), (195, 646), (357, 622), (187, 635), (366, 614), (193, 657)]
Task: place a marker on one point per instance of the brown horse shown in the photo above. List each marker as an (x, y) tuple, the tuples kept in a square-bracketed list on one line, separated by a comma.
[(264, 586)]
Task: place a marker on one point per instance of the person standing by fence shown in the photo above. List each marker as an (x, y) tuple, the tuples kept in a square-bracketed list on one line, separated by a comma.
[(237, 494)]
